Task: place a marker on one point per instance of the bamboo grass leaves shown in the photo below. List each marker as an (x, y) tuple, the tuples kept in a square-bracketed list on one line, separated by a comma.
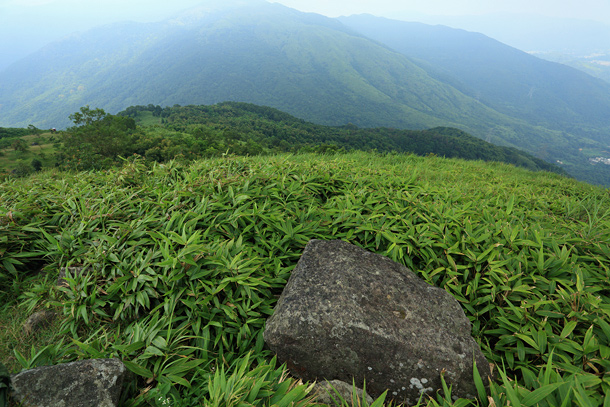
[(187, 260)]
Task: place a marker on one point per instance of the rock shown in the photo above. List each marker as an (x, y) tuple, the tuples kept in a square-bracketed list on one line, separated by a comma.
[(74, 271), (347, 313), (327, 392), (86, 383), (37, 321)]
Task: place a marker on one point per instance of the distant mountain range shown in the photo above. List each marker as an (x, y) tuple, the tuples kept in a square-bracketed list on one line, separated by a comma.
[(362, 70), (528, 32), (510, 81)]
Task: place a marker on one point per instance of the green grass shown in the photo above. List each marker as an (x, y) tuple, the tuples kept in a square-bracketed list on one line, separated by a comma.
[(11, 321), (146, 118), (188, 260), (44, 151)]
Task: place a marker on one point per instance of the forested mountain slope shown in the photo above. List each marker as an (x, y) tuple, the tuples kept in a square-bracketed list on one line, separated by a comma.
[(310, 66), (248, 129), (306, 64), (509, 80)]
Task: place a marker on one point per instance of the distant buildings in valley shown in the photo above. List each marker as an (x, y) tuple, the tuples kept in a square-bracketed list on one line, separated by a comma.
[(598, 160)]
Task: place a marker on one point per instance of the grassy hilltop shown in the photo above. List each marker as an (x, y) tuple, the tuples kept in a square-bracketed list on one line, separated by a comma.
[(187, 261)]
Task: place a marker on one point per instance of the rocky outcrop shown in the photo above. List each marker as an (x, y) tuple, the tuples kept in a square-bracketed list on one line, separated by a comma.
[(347, 313), (86, 383)]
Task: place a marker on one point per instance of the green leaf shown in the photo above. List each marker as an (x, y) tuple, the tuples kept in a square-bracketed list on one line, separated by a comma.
[(510, 391), (548, 369), (153, 351), (478, 382), (582, 397), (509, 205), (299, 392), (178, 380), (137, 369), (568, 328), (529, 340), (606, 328), (379, 401), (540, 394), (90, 350), (160, 342)]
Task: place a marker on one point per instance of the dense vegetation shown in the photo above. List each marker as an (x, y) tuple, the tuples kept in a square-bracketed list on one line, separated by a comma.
[(246, 129), (185, 262), (99, 140), (9, 134)]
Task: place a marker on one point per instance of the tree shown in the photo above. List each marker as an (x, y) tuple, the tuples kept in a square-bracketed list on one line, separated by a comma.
[(86, 116), (33, 129), (36, 164), (20, 145), (97, 139), (22, 169)]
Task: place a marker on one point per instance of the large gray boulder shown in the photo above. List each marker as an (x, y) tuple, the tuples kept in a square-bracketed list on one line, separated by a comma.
[(349, 313), (86, 383)]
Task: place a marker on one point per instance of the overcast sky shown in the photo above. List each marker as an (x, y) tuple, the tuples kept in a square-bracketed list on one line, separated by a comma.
[(26, 25)]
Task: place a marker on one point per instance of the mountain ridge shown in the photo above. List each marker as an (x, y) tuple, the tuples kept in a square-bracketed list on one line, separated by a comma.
[(306, 70), (308, 65), (272, 129), (509, 80)]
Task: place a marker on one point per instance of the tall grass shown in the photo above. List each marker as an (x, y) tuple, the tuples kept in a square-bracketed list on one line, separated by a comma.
[(186, 263)]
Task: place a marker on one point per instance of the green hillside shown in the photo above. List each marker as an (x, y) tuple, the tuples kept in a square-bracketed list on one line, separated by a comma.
[(99, 140), (506, 79), (187, 260), (566, 108), (268, 54), (244, 128)]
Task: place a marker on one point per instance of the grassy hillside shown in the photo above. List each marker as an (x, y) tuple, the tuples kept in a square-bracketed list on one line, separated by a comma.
[(186, 263), (31, 153), (244, 128)]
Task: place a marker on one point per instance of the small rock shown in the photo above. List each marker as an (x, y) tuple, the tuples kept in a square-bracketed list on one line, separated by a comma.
[(325, 393), (86, 383), (37, 321), (74, 271)]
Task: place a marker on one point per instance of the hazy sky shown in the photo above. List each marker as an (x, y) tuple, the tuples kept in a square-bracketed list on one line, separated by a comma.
[(26, 25), (585, 9)]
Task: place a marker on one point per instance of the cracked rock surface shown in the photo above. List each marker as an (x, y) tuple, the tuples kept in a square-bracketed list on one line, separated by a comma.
[(348, 313), (86, 383)]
